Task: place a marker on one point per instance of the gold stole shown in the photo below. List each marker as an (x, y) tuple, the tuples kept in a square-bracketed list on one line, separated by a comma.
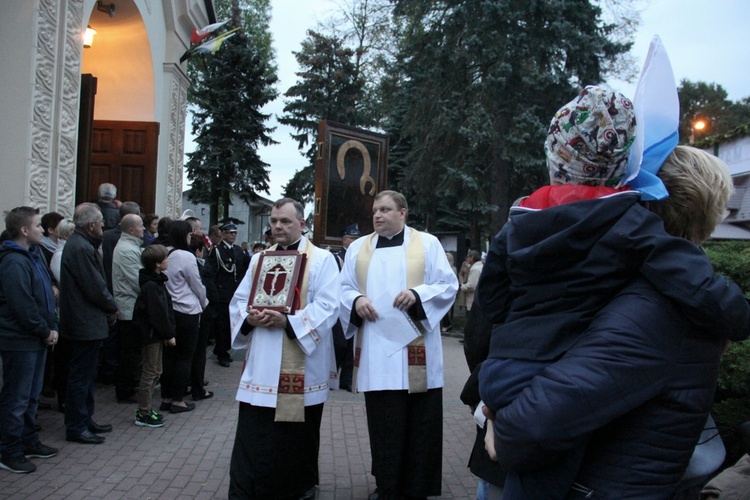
[(415, 266), (290, 400)]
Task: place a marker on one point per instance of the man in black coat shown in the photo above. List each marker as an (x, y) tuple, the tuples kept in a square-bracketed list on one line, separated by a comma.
[(86, 310), (106, 202), (229, 264)]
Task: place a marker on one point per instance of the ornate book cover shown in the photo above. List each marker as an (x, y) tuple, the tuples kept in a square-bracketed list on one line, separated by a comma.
[(277, 281)]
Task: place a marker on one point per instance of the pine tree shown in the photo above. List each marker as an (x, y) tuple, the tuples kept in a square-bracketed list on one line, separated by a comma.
[(475, 85), (228, 90), (709, 102), (328, 88), (342, 62)]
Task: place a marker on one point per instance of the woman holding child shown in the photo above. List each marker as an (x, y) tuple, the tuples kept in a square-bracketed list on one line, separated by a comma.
[(578, 285)]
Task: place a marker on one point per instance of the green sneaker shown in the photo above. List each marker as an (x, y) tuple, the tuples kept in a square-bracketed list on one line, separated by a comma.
[(148, 419)]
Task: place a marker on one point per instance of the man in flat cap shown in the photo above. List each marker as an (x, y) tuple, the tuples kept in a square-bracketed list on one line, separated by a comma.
[(230, 264), (343, 347), (348, 234)]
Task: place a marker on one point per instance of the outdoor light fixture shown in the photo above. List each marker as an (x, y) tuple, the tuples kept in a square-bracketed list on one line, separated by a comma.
[(88, 37), (699, 125), (109, 9)]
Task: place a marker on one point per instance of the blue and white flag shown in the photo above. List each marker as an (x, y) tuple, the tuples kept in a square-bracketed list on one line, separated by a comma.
[(657, 111)]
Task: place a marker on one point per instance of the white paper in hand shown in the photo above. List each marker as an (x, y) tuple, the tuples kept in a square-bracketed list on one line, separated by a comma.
[(394, 327)]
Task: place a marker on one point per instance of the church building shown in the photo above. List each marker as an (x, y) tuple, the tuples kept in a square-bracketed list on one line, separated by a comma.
[(81, 110)]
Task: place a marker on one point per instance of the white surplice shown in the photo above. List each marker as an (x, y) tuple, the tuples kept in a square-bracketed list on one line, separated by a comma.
[(312, 327), (387, 274)]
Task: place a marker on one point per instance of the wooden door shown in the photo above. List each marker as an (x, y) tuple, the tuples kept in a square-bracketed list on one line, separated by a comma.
[(85, 129), (125, 154)]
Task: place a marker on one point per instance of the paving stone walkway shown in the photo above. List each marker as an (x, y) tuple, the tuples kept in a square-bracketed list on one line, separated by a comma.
[(189, 456)]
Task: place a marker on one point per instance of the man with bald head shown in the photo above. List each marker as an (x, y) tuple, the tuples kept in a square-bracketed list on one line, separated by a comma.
[(126, 264), (108, 365)]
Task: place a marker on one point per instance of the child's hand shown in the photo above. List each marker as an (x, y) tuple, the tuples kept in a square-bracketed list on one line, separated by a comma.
[(489, 441), (170, 342), (488, 413)]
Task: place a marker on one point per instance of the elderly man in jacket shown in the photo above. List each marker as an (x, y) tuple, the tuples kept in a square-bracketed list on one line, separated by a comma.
[(126, 264), (86, 309)]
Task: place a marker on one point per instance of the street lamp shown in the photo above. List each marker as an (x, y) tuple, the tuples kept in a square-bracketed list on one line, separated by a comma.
[(699, 125)]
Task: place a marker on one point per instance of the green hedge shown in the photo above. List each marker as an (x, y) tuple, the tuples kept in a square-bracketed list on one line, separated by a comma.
[(732, 259), (732, 401)]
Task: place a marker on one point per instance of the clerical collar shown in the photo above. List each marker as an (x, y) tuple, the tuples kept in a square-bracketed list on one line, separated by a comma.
[(394, 241), (293, 246)]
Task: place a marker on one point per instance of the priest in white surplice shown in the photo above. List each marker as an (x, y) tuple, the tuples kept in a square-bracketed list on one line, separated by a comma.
[(287, 374), (399, 267)]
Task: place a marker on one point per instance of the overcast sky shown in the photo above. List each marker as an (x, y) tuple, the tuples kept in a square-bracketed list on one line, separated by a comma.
[(706, 41)]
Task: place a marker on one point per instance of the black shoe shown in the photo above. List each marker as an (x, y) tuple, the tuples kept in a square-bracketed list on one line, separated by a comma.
[(40, 450), (206, 395), (86, 437), (165, 406), (224, 362), (99, 429), (19, 465), (182, 409), (376, 495), (309, 494), (345, 388)]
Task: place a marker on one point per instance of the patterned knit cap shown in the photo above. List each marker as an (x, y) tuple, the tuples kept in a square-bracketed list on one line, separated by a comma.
[(589, 139)]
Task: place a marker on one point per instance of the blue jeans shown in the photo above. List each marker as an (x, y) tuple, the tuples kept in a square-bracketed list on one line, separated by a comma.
[(23, 374), (488, 491), (79, 399)]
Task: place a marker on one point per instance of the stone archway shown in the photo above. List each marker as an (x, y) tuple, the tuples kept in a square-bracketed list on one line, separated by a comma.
[(56, 83), (120, 144), (41, 159)]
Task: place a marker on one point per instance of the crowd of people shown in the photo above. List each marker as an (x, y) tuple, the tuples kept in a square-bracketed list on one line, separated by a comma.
[(129, 294), (585, 326)]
